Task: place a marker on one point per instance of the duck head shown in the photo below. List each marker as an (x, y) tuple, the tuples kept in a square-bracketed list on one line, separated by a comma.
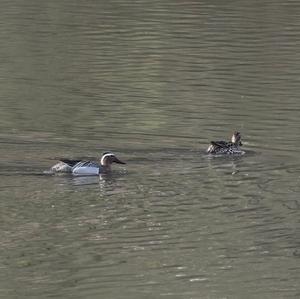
[(236, 138), (108, 158)]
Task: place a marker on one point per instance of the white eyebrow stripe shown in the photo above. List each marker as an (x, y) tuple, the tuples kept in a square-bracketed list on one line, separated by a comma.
[(104, 156)]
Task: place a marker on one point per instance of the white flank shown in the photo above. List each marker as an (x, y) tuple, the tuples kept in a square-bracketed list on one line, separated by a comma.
[(86, 170)]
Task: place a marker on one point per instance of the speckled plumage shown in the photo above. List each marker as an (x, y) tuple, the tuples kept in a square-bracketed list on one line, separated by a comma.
[(226, 148)]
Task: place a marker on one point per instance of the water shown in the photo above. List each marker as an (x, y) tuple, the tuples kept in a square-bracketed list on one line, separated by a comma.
[(154, 82)]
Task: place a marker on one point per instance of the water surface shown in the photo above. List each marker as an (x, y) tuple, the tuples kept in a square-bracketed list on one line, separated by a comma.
[(154, 82)]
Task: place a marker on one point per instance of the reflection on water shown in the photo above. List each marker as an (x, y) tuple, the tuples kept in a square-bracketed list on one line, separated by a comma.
[(153, 82)]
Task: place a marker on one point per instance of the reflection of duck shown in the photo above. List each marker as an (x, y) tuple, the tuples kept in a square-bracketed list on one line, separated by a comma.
[(80, 167), (228, 148)]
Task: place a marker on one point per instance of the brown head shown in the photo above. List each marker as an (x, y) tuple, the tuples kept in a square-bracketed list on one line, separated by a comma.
[(108, 158), (236, 138)]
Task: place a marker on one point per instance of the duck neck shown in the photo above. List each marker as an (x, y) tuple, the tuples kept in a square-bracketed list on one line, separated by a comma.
[(106, 167), (237, 143)]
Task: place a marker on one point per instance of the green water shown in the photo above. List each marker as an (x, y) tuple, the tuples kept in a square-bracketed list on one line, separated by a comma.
[(153, 82)]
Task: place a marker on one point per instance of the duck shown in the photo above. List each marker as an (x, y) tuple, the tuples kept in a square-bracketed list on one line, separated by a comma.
[(227, 148), (84, 168)]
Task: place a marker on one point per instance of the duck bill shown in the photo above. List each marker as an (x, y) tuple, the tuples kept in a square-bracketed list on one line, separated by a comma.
[(116, 160)]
